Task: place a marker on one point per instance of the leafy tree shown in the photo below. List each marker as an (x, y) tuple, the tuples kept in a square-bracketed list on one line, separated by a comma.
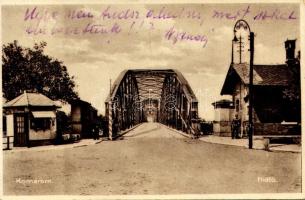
[(31, 70)]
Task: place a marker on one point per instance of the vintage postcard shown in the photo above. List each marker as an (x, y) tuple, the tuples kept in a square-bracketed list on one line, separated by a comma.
[(152, 99)]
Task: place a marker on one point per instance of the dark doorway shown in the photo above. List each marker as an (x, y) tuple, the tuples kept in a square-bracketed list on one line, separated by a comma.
[(21, 129)]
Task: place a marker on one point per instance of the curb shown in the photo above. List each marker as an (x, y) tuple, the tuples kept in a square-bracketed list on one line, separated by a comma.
[(284, 151), (177, 131), (126, 131), (227, 144), (53, 147), (245, 147)]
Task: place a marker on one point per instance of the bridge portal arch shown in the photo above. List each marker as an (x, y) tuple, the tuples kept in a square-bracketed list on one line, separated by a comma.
[(158, 95)]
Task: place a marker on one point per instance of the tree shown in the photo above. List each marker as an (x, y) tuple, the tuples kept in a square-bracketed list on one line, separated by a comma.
[(29, 69)]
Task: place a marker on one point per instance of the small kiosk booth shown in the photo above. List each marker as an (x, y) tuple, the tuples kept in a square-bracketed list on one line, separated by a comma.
[(31, 119)]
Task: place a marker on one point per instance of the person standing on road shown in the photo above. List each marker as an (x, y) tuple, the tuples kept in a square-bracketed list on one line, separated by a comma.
[(97, 132), (93, 130), (235, 127)]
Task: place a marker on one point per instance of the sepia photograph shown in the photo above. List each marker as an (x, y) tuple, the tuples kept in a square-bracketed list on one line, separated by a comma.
[(152, 99)]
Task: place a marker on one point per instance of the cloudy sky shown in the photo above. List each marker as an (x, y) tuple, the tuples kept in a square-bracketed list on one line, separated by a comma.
[(141, 42)]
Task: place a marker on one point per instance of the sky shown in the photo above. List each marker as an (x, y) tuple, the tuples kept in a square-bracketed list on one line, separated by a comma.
[(102, 41)]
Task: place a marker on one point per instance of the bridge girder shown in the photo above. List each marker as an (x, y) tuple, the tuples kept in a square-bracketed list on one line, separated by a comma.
[(175, 102)]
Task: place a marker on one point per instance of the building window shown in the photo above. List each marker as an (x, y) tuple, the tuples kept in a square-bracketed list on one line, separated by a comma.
[(237, 105), (194, 106), (40, 123)]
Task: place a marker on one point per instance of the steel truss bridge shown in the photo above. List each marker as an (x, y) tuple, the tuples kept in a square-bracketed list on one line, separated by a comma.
[(158, 95)]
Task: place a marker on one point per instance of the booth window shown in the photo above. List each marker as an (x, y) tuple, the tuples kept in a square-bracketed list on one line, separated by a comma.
[(41, 123), (42, 120)]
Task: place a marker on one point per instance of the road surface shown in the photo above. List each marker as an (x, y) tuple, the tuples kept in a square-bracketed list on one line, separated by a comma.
[(151, 159)]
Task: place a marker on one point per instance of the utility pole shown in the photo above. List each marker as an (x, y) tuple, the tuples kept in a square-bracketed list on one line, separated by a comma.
[(242, 24), (251, 38)]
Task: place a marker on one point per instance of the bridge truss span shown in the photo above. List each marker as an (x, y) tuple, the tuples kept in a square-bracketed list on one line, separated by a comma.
[(154, 95)]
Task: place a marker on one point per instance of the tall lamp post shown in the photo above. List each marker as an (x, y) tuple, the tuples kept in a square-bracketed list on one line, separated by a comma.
[(242, 24)]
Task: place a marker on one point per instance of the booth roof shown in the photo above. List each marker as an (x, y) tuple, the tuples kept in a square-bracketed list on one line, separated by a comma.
[(30, 99)]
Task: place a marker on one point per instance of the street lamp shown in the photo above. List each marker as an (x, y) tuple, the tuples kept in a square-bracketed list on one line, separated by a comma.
[(238, 26), (233, 42)]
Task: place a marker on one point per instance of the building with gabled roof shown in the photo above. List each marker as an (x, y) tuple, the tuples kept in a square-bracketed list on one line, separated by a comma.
[(270, 107), (263, 75)]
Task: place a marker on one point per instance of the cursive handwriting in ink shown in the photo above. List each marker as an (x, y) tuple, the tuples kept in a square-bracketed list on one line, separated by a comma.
[(79, 14), (239, 14), (101, 29), (35, 14), (165, 13), (175, 36), (275, 15), (124, 14)]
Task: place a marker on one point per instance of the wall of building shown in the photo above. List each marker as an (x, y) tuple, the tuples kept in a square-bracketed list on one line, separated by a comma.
[(241, 108), (222, 114), (76, 117), (222, 128), (222, 121), (269, 104), (88, 119), (240, 105), (83, 117), (47, 134), (76, 113), (77, 128)]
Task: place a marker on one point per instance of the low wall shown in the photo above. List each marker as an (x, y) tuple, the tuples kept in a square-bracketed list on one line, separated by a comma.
[(276, 129), (224, 129)]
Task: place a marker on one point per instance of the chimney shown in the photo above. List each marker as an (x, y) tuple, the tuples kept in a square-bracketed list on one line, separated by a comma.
[(290, 49)]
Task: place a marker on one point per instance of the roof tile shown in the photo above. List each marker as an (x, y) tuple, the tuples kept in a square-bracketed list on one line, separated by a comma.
[(264, 74)]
